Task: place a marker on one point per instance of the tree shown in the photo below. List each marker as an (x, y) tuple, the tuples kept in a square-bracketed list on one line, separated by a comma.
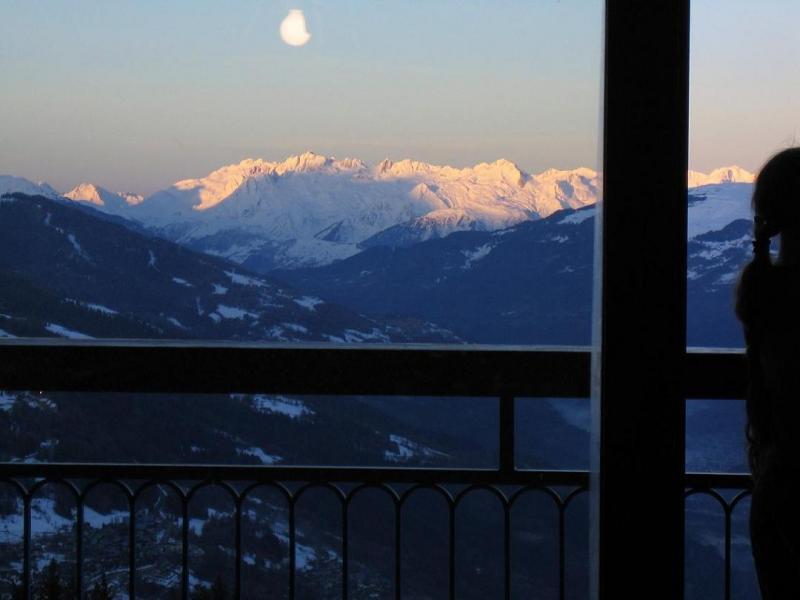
[(50, 587), (101, 590), (17, 591), (215, 592)]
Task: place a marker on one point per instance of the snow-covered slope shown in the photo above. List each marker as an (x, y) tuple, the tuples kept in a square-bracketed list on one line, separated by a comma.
[(312, 209), (714, 206)]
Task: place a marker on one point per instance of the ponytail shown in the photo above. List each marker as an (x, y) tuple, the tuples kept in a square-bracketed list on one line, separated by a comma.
[(750, 307)]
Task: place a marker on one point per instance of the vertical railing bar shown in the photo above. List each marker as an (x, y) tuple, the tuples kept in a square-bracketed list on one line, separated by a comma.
[(507, 431), (292, 542), (345, 549), (185, 548), (452, 552), (132, 548), (26, 548), (727, 552), (237, 584), (562, 554), (507, 549), (398, 551), (79, 549)]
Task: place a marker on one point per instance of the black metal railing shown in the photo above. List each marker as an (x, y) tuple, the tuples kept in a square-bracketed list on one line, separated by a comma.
[(739, 487), (290, 483), (507, 374)]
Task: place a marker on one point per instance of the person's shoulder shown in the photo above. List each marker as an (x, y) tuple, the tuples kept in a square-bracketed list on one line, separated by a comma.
[(781, 298), (785, 276)]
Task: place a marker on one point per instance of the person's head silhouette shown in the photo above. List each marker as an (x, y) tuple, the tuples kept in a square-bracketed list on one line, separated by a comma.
[(776, 209)]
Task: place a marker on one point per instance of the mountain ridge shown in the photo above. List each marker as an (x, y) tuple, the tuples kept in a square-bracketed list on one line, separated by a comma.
[(310, 210)]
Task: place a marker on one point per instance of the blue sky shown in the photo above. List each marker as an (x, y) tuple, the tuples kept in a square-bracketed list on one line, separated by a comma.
[(135, 94)]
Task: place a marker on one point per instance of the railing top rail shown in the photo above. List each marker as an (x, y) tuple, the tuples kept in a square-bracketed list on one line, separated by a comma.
[(737, 481), (272, 473), (22, 342), (292, 473), (191, 367), (227, 368)]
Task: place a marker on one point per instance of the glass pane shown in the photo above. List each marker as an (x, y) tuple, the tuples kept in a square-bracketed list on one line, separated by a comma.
[(744, 97), (741, 113), (715, 441), (338, 172), (333, 172), (552, 433)]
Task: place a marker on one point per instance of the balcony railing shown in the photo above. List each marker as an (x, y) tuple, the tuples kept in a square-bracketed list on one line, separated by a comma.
[(506, 373)]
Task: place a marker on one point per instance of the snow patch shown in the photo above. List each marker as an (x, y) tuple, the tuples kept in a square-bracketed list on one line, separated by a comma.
[(181, 281), (219, 290), (78, 248), (579, 216), (98, 520), (177, 323), (714, 250), (66, 333), (5, 334), (283, 405), (244, 279), (352, 336), (266, 459), (7, 401), (405, 450), (100, 308), (727, 278), (308, 302), (475, 255), (232, 312)]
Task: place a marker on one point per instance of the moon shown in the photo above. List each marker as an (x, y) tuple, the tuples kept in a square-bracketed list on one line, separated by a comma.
[(293, 28)]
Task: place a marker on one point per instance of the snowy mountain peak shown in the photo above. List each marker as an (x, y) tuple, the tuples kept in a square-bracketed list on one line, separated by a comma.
[(502, 170), (98, 196), (9, 184), (731, 174), (384, 166), (302, 163)]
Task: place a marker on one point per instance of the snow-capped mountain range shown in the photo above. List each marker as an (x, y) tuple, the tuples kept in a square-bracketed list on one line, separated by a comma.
[(311, 210), (732, 174)]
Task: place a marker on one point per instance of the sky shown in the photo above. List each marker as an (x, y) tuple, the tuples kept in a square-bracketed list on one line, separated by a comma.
[(745, 81), (136, 94)]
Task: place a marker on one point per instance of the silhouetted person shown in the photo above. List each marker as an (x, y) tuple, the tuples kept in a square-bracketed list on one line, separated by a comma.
[(768, 305)]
